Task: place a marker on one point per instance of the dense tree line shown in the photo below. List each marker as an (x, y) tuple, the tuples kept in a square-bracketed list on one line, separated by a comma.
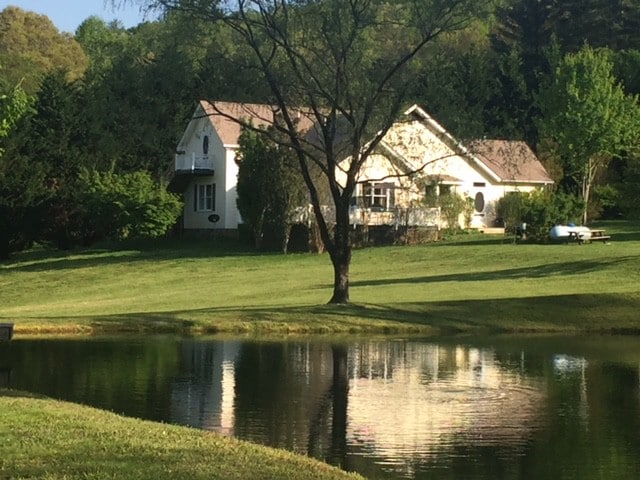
[(112, 102)]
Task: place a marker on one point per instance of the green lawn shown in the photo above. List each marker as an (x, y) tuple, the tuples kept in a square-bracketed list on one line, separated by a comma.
[(47, 439), (466, 283)]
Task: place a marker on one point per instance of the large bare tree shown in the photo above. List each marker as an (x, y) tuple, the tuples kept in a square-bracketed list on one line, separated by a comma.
[(343, 65)]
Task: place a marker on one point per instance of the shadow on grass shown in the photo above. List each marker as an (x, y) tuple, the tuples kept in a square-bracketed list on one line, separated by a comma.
[(163, 250), (601, 313), (613, 313), (538, 271)]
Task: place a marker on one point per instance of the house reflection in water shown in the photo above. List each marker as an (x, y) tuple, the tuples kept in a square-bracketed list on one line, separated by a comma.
[(413, 401), (203, 394), (395, 403)]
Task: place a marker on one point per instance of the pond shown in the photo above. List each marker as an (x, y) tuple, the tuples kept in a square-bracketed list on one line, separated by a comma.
[(456, 408)]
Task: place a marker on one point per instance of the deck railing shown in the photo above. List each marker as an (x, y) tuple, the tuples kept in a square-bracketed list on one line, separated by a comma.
[(398, 217), (193, 162)]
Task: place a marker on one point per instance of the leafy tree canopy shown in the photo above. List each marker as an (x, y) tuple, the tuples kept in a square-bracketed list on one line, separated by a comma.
[(270, 187), (588, 117), (31, 45)]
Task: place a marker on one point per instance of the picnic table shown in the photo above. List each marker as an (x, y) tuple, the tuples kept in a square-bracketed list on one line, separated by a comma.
[(599, 235), (581, 237)]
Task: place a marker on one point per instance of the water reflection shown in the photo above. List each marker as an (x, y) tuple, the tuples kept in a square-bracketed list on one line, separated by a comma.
[(420, 403), (388, 409)]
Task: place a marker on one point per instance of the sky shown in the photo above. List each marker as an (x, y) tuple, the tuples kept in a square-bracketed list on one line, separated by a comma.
[(68, 14)]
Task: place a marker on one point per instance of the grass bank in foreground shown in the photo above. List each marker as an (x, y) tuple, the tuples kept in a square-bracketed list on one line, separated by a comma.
[(43, 438), (469, 283)]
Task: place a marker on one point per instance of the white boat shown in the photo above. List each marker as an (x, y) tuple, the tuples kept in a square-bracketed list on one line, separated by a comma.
[(566, 233)]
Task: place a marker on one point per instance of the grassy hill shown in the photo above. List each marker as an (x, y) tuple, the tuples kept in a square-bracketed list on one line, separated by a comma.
[(48, 439), (466, 283)]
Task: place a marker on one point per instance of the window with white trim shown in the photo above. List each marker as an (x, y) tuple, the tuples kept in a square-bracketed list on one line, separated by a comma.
[(378, 196), (204, 197)]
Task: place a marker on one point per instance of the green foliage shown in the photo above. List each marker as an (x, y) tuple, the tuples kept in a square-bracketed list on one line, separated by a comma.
[(21, 180), (509, 209), (539, 210), (22, 202), (452, 206), (588, 117), (121, 206), (601, 23), (629, 190), (270, 188), (459, 84), (31, 46), (13, 105)]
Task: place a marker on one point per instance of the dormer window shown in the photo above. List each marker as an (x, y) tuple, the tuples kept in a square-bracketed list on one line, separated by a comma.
[(205, 145)]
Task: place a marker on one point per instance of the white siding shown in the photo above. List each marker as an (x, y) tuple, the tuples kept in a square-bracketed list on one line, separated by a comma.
[(193, 143), (232, 216)]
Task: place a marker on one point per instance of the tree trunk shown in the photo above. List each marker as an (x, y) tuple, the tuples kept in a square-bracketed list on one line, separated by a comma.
[(340, 253), (586, 193), (286, 234), (341, 264), (258, 231)]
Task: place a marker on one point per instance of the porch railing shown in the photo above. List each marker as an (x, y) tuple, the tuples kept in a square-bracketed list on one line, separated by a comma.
[(193, 162)]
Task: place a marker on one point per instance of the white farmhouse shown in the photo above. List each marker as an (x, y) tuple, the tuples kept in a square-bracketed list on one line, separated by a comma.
[(417, 160), (205, 170)]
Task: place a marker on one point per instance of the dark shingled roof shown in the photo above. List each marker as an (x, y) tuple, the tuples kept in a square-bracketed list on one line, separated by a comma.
[(222, 115), (512, 161)]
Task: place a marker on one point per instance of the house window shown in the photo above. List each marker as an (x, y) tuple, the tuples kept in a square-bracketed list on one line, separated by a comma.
[(204, 198), (444, 190), (478, 202), (378, 196), (434, 191), (205, 145), (431, 195)]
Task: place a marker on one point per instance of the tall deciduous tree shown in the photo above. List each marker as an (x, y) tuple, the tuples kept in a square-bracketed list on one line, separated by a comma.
[(348, 65), (522, 40), (20, 180), (13, 105), (31, 46), (588, 117), (603, 23)]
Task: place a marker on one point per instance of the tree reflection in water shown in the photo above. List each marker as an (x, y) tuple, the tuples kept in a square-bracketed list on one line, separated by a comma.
[(517, 408)]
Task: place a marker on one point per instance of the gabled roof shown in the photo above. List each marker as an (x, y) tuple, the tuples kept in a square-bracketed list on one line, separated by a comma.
[(501, 160), (417, 112), (506, 161), (227, 118), (512, 161), (221, 115)]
